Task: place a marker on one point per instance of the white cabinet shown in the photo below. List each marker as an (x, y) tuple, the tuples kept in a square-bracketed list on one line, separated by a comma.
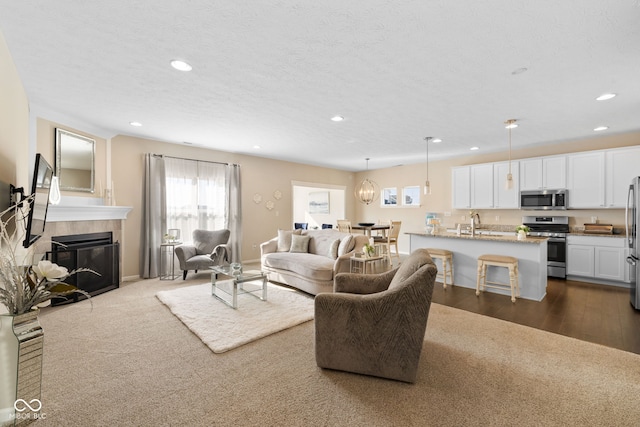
[(482, 186), (621, 165), (580, 260), (595, 179), (461, 187), (481, 177), (597, 257), (543, 172), (609, 263), (585, 180), (504, 198)]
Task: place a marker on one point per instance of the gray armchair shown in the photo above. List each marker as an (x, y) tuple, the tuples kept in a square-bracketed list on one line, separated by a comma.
[(374, 324), (207, 248)]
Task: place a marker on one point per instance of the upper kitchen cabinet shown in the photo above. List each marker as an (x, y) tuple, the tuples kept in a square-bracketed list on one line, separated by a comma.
[(504, 198), (481, 177), (543, 172), (585, 180), (621, 165), (461, 187)]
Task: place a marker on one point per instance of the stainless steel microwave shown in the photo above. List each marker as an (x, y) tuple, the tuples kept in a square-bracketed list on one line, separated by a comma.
[(544, 199)]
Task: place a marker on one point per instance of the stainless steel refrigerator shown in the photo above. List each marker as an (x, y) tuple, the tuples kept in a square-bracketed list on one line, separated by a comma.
[(632, 220)]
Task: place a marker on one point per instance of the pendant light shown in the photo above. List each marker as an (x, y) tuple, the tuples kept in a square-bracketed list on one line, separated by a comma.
[(427, 185), (510, 124), (367, 191)]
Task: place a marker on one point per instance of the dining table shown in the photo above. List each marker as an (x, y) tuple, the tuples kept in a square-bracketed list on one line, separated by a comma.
[(368, 227)]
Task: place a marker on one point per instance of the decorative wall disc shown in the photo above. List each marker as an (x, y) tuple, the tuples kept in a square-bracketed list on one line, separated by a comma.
[(257, 198), (277, 194), (269, 204)]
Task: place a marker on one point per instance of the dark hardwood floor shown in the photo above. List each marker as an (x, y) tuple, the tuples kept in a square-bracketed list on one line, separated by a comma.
[(596, 313)]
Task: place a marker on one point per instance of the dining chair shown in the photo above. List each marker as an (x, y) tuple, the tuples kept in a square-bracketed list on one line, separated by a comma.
[(382, 233), (344, 226), (385, 243)]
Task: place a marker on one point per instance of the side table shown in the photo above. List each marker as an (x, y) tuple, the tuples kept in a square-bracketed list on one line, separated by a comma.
[(168, 250), (359, 265)]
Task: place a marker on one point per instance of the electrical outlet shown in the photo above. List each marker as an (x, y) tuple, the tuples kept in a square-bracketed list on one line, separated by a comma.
[(497, 217), (255, 246), (464, 218), (446, 214), (594, 219)]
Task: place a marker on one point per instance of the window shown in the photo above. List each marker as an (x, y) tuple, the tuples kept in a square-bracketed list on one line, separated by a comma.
[(389, 197), (411, 196), (196, 195)]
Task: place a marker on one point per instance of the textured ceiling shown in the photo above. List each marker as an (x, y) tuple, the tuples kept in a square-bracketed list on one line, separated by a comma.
[(273, 73)]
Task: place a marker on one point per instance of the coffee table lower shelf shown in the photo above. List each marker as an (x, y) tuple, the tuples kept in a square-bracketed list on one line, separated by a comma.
[(227, 289)]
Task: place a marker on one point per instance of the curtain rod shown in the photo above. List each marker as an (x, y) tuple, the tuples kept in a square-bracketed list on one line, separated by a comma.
[(194, 160)]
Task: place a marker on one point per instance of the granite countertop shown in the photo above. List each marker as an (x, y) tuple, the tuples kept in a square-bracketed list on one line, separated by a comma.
[(508, 238), (582, 233)]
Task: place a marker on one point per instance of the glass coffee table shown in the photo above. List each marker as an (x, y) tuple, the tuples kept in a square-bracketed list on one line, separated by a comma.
[(236, 282)]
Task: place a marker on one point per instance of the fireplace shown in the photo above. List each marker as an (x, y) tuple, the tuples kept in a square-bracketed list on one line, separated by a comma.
[(95, 251)]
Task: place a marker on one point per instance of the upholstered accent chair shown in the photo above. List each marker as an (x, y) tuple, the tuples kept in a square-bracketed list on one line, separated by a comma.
[(207, 248), (374, 324)]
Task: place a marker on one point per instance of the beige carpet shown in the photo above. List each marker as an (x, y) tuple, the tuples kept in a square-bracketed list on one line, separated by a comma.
[(222, 328), (130, 362)]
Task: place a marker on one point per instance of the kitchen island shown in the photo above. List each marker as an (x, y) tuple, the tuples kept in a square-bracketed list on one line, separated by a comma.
[(531, 254)]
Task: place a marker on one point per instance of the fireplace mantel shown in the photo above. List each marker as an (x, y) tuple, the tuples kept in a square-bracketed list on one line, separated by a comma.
[(58, 213)]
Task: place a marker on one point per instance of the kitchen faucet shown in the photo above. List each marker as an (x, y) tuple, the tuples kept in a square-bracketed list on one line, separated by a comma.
[(474, 216)]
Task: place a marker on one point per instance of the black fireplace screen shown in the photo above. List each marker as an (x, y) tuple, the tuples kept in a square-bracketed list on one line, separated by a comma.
[(95, 251)]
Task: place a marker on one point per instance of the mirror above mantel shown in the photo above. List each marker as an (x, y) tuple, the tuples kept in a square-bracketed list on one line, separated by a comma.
[(75, 161)]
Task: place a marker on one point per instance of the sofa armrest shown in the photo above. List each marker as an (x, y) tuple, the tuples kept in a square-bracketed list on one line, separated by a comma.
[(363, 283), (269, 246), (343, 263)]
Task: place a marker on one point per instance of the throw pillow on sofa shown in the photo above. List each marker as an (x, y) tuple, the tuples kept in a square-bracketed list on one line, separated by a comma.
[(284, 239), (299, 243), (346, 245), (333, 250)]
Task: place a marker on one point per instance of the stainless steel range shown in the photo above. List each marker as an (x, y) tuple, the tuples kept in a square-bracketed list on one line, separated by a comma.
[(555, 228)]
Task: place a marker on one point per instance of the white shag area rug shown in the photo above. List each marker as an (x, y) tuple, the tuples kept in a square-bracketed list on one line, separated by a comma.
[(222, 328)]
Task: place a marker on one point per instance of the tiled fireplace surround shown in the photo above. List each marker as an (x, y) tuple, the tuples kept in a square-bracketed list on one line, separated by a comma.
[(70, 220)]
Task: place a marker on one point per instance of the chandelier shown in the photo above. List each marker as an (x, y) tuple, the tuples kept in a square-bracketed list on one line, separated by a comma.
[(367, 191)]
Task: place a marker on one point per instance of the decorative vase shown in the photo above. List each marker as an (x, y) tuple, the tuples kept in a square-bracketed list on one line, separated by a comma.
[(522, 235), (21, 346)]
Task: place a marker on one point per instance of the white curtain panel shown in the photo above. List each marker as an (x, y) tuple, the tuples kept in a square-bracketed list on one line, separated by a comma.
[(204, 195)]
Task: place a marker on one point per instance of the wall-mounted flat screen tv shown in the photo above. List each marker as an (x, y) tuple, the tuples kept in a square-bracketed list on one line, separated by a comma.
[(39, 202)]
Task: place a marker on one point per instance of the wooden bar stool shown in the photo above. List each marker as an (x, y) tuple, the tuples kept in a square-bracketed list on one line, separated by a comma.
[(446, 258), (509, 262)]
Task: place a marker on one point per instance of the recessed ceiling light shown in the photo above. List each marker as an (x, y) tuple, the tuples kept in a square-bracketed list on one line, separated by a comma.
[(474, 148), (181, 65), (337, 118), (606, 96), (137, 124), (256, 147), (436, 140), (518, 71), (599, 128)]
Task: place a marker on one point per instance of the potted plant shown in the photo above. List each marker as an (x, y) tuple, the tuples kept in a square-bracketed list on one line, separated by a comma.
[(23, 286), (522, 231), (369, 250)]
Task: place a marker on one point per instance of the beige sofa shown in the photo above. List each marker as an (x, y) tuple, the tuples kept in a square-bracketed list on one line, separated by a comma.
[(309, 259)]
